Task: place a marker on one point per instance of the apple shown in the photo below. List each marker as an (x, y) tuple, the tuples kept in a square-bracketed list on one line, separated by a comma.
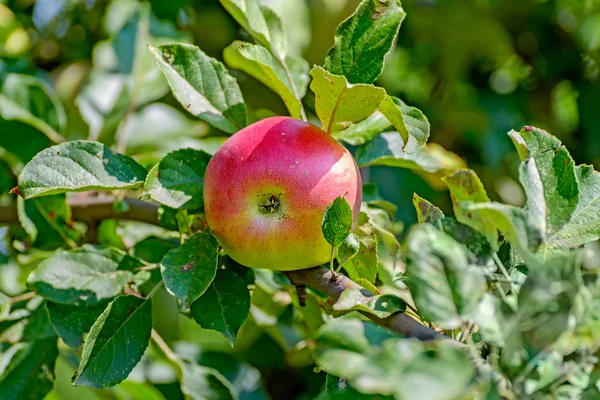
[(267, 188)]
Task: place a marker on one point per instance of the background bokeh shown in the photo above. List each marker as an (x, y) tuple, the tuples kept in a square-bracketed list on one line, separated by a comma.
[(477, 69)]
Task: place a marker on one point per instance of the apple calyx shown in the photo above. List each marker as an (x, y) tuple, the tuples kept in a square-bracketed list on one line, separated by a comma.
[(270, 206)]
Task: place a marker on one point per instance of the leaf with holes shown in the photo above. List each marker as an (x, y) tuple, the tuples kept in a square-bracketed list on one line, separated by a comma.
[(189, 269), (76, 167), (202, 85), (225, 305), (338, 103), (177, 180)]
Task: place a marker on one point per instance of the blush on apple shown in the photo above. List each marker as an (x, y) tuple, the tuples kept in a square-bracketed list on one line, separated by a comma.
[(267, 188)]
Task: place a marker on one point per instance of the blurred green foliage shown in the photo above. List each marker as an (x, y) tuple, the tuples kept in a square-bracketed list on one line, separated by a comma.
[(477, 69)]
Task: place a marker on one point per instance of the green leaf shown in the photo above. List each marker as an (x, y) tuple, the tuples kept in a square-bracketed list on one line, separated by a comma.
[(47, 220), (465, 186), (225, 305), (584, 225), (202, 85), (427, 213), (38, 97), (348, 248), (409, 121), (189, 269), (202, 383), (548, 177), (88, 274), (10, 110), (382, 306), (261, 22), (76, 167), (445, 288), (257, 62), (363, 40), (372, 197), (515, 223), (116, 342), (70, 321), (103, 103), (547, 298), (365, 263), (338, 103), (337, 221), (177, 181), (364, 131), (375, 362), (30, 370), (387, 149)]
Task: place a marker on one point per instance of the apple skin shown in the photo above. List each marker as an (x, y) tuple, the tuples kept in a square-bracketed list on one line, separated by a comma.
[(267, 188)]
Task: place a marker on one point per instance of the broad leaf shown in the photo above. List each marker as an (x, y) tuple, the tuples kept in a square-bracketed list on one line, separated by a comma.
[(427, 213), (257, 62), (445, 288), (36, 96), (514, 223), (103, 103), (409, 121), (337, 221), (13, 111), (363, 40), (30, 370), (202, 85), (116, 342), (465, 186), (177, 180), (375, 362), (584, 225), (261, 22), (71, 321), (88, 274), (365, 263), (338, 103), (382, 306), (387, 149), (47, 220), (364, 131), (76, 167), (202, 383), (548, 177), (225, 305), (348, 248), (189, 269)]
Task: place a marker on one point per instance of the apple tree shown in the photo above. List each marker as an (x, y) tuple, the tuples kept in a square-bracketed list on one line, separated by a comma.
[(266, 240)]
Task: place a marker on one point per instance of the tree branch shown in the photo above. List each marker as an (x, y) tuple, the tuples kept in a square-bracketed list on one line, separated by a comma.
[(325, 281), (96, 209)]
